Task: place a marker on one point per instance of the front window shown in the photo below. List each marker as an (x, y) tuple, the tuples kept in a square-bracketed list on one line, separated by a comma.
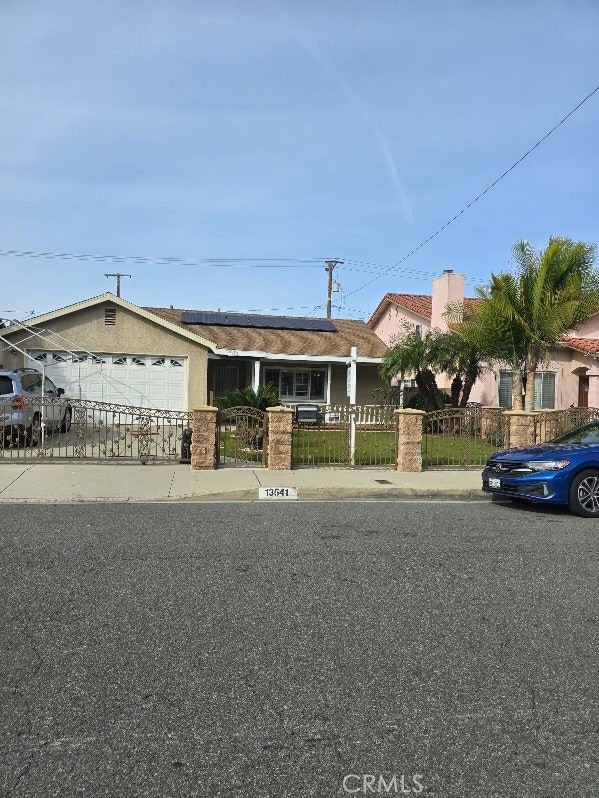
[(297, 383), (544, 390)]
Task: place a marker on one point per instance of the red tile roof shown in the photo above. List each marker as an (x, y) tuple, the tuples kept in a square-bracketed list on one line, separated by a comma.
[(421, 304), (587, 345)]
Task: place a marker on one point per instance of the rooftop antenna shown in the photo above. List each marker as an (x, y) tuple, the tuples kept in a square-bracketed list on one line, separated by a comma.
[(118, 276)]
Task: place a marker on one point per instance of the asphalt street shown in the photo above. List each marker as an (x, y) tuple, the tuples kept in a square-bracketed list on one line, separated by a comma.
[(298, 649)]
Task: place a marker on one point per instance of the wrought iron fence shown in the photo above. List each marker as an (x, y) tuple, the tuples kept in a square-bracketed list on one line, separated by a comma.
[(241, 437), (36, 428), (462, 437), (551, 423), (347, 436)]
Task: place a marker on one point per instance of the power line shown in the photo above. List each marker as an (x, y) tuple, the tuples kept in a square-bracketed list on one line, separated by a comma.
[(482, 193), (162, 261)]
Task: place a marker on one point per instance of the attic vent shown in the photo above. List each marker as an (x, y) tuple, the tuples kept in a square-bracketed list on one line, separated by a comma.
[(110, 317)]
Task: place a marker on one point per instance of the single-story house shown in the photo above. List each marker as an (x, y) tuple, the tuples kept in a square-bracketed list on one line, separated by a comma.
[(568, 377), (108, 349)]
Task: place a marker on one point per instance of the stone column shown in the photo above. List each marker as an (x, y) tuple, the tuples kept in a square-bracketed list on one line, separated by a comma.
[(203, 438), (279, 434), (521, 428), (409, 439)]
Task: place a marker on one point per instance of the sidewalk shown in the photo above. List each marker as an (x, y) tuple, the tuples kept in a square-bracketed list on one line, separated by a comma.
[(70, 482)]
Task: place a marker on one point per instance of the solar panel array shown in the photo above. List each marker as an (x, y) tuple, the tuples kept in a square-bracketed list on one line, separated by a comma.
[(265, 322)]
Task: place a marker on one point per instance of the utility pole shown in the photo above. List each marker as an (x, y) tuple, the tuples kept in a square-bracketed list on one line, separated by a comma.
[(118, 276), (329, 269)]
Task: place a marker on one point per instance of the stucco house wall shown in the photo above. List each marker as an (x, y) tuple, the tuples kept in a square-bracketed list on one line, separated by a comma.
[(393, 321)]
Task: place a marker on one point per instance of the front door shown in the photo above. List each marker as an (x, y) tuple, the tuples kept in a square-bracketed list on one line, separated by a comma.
[(583, 391)]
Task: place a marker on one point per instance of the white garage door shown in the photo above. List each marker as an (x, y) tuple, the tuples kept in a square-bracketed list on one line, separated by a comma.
[(138, 380)]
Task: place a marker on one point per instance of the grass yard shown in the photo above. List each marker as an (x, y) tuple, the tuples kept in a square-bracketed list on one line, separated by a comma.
[(312, 447), (442, 450)]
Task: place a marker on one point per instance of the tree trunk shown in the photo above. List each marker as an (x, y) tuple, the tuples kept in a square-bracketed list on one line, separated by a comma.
[(456, 389), (470, 378), (427, 385), (517, 388), (531, 370)]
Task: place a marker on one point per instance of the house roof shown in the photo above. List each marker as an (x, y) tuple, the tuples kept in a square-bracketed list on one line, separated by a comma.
[(420, 304), (586, 345), (35, 321), (311, 343)]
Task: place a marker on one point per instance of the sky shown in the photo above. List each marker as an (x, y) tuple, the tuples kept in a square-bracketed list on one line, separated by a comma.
[(255, 140)]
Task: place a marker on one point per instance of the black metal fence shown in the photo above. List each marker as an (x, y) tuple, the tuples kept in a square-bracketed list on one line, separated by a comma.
[(38, 428)]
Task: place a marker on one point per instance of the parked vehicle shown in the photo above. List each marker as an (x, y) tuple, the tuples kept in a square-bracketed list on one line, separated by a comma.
[(562, 471), (28, 400)]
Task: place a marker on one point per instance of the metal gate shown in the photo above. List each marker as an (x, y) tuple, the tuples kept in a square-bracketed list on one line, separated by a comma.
[(349, 436), (241, 437), (48, 429), (459, 437)]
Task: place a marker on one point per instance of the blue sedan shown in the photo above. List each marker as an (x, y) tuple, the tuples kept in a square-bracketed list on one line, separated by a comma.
[(563, 471)]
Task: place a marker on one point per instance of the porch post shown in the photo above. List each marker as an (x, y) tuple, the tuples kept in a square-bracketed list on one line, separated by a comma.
[(256, 375), (409, 439), (521, 428), (280, 431), (203, 438)]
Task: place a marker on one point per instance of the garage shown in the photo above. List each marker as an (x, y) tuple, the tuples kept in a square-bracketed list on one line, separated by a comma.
[(157, 382)]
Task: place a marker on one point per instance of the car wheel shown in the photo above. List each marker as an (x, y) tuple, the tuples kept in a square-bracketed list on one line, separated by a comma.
[(34, 431), (66, 420), (584, 494)]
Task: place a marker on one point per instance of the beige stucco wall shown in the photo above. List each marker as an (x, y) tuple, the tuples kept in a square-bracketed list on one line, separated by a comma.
[(393, 320), (567, 365), (131, 335)]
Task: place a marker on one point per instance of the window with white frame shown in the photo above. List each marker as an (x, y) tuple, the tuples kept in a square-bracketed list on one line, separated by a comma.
[(544, 390), (297, 383)]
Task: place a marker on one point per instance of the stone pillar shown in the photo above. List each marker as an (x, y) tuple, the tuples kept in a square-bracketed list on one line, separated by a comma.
[(521, 426), (279, 434), (203, 438), (409, 439)]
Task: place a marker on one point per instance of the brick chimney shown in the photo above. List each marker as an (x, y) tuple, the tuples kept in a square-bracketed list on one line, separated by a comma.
[(448, 288)]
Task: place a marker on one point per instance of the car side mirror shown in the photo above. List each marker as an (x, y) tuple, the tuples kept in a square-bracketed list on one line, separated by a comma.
[(60, 391)]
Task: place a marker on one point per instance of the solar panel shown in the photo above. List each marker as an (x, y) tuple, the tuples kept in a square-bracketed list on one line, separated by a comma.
[(263, 322)]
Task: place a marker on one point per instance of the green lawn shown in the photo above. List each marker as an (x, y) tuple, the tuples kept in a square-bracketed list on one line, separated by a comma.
[(331, 447), (439, 450)]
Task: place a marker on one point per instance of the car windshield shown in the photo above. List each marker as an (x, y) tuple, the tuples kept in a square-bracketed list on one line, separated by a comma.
[(5, 385), (587, 434)]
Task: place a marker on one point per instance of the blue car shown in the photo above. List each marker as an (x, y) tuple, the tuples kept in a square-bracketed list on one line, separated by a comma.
[(563, 471)]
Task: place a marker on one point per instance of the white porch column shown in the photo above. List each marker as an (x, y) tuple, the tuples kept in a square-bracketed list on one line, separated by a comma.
[(256, 375), (351, 376)]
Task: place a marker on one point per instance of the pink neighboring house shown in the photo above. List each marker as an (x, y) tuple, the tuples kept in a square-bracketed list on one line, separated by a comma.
[(569, 377)]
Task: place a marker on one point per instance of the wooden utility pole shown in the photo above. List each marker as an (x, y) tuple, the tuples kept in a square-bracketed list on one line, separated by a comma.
[(118, 276), (329, 268)]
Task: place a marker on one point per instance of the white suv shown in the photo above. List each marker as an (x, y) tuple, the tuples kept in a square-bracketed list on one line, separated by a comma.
[(27, 400)]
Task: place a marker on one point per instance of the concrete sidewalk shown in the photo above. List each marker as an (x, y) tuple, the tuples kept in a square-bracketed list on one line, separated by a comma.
[(70, 482)]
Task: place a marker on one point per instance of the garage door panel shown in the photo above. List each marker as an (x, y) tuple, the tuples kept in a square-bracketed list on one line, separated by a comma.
[(157, 383)]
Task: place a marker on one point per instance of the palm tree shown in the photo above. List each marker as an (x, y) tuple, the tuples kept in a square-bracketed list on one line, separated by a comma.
[(266, 396), (460, 360), (525, 314), (413, 353)]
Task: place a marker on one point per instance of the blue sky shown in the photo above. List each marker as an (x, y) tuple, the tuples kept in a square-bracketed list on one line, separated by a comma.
[(287, 130)]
